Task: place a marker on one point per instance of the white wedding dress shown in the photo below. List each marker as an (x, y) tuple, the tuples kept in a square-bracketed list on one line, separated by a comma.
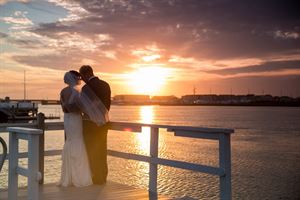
[(75, 170)]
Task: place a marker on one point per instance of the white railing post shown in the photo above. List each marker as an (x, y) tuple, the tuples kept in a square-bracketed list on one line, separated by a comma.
[(225, 164), (153, 154), (13, 164), (32, 172), (33, 166)]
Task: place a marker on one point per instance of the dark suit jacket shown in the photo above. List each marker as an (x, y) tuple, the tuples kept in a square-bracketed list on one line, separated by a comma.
[(95, 137), (101, 89)]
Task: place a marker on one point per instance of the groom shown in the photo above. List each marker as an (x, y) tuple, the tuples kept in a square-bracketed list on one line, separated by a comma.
[(95, 136)]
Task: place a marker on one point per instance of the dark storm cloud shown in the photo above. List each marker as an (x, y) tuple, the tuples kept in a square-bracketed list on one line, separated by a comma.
[(204, 30), (50, 29), (215, 29), (49, 61), (71, 59), (26, 43), (265, 67)]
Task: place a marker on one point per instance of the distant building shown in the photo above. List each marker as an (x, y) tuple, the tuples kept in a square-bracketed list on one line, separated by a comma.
[(164, 99), (131, 99), (190, 99), (227, 99), (286, 99), (199, 99), (209, 99), (264, 98)]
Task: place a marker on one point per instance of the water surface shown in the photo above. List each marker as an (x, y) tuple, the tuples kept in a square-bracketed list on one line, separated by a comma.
[(265, 150)]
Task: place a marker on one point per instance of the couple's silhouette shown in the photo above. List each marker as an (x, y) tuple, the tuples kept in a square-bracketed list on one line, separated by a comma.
[(84, 157)]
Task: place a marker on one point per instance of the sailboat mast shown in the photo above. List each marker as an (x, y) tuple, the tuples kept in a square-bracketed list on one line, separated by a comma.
[(24, 85)]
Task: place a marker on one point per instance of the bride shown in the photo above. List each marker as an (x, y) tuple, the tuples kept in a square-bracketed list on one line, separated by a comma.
[(75, 170)]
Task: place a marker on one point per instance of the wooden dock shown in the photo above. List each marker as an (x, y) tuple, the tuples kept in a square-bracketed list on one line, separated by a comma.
[(109, 191), (34, 133)]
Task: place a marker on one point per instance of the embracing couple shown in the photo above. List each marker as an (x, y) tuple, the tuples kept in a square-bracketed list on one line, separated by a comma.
[(84, 156)]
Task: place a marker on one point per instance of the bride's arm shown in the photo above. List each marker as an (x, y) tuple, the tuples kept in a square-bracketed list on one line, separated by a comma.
[(67, 106), (63, 100)]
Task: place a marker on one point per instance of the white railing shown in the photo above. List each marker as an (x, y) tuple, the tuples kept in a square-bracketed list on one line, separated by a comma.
[(32, 172), (222, 135)]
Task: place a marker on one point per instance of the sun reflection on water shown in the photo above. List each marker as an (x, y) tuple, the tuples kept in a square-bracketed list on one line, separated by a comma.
[(143, 138), (146, 114)]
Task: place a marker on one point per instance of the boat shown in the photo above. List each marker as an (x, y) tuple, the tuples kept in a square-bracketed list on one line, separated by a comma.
[(15, 110)]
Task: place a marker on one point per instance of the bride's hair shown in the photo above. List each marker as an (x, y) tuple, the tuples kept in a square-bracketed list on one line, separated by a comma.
[(72, 77)]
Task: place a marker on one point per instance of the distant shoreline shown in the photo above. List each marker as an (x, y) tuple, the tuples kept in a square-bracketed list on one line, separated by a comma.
[(245, 105), (192, 100), (253, 104)]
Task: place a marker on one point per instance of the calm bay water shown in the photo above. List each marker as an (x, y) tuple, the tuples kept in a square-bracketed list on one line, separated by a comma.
[(265, 150)]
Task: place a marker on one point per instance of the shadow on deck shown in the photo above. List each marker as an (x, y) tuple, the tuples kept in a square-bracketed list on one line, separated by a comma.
[(109, 191)]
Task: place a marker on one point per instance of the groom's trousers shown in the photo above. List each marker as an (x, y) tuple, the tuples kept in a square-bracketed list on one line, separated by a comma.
[(95, 139)]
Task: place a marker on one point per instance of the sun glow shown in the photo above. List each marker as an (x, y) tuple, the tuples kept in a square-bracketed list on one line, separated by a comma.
[(143, 138), (148, 80)]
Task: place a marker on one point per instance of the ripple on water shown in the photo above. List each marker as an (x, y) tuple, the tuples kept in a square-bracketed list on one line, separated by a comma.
[(265, 153)]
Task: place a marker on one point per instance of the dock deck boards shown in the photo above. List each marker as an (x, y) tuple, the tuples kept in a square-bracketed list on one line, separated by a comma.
[(109, 191)]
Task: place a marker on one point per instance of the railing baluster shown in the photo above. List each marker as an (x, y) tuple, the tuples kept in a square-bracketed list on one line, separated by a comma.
[(153, 154), (33, 166), (225, 163), (12, 165), (32, 173)]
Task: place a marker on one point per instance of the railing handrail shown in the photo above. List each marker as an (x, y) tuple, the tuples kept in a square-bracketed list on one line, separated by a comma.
[(23, 130), (59, 126), (220, 134), (3, 127)]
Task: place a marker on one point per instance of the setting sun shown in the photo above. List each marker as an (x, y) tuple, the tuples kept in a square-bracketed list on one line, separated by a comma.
[(148, 80)]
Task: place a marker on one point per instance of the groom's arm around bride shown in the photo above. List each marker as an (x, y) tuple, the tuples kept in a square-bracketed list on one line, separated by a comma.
[(95, 136)]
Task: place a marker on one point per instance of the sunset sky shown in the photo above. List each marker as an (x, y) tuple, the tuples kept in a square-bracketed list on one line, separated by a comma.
[(156, 47)]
